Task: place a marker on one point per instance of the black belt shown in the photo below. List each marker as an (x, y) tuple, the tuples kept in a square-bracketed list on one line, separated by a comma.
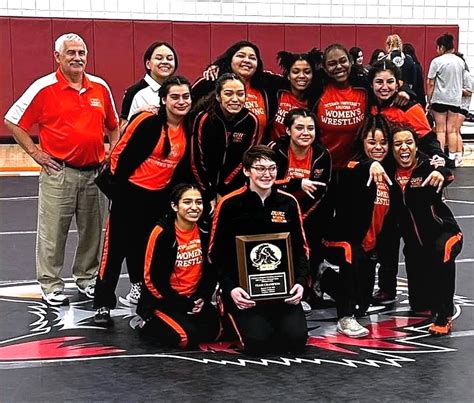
[(91, 167)]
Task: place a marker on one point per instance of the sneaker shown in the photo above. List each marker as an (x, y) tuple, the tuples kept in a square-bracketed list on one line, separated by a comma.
[(458, 161), (134, 294), (55, 298), (441, 327), (348, 326), (306, 307), (383, 298), (88, 291), (317, 279), (102, 316)]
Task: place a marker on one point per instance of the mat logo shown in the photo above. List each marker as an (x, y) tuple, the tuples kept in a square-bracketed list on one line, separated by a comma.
[(67, 334)]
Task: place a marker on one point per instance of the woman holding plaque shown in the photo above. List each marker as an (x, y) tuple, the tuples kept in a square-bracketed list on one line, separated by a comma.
[(175, 301), (278, 322)]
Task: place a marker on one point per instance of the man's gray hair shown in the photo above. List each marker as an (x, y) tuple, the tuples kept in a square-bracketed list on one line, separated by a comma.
[(59, 44)]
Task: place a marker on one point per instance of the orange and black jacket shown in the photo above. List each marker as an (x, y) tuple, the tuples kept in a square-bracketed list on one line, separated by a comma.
[(160, 261), (354, 204), (140, 145), (242, 212), (412, 115), (217, 147), (321, 169), (421, 213)]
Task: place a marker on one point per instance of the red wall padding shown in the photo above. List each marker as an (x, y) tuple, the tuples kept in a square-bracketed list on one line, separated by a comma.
[(116, 47)]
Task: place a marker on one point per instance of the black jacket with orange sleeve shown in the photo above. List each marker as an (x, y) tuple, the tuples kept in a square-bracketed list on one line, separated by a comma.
[(217, 147), (160, 261), (321, 169), (242, 212)]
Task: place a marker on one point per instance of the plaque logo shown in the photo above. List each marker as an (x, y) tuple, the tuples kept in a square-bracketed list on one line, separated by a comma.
[(265, 256)]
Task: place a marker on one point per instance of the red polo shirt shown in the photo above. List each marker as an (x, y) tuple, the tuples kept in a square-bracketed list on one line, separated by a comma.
[(71, 122)]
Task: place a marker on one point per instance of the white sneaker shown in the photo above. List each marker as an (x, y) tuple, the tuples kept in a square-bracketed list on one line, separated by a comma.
[(458, 161), (88, 291), (134, 294), (55, 298), (306, 307), (348, 326)]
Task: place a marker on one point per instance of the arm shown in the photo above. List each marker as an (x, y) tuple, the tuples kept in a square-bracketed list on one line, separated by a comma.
[(26, 142), (430, 84)]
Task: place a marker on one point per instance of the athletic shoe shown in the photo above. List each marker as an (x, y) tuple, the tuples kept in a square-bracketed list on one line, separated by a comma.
[(102, 316), (441, 327), (134, 294), (458, 161), (348, 326), (88, 291), (55, 298), (306, 307), (383, 298), (317, 279)]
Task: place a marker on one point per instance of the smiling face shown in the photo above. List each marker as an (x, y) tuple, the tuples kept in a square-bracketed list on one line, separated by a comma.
[(178, 101), (376, 145), (404, 149), (337, 65), (161, 64), (72, 58), (302, 132), (262, 175), (360, 58), (300, 76), (189, 208), (244, 62), (384, 85), (231, 97)]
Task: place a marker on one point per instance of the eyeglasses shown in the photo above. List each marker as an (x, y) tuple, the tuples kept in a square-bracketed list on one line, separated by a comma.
[(260, 169)]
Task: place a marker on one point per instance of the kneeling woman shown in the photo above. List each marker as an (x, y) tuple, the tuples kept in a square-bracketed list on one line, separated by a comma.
[(432, 236), (175, 301)]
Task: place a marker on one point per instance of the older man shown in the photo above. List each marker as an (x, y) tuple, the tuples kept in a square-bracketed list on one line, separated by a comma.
[(72, 110)]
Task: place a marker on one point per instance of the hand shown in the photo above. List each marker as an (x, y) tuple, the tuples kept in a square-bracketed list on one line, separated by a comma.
[(198, 304), (309, 186), (241, 298), (46, 161), (378, 174), (402, 98), (437, 161), (296, 295), (435, 179), (213, 204), (148, 108), (211, 73)]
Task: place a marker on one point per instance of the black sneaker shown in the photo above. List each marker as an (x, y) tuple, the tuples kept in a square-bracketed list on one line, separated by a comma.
[(102, 316), (383, 298)]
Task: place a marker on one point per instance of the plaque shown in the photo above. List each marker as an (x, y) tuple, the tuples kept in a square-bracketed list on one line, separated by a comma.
[(265, 265)]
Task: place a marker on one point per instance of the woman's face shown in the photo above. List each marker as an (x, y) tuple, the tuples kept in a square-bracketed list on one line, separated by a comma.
[(162, 63), (380, 56), (337, 65), (189, 207), (302, 132), (232, 97), (300, 75), (178, 100), (376, 145), (404, 149), (360, 59), (384, 85), (244, 62)]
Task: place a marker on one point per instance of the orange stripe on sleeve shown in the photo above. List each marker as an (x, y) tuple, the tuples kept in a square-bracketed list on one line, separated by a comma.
[(175, 326), (150, 248), (105, 249), (449, 246), (345, 245)]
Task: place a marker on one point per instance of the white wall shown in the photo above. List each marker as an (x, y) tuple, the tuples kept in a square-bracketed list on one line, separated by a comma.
[(460, 12)]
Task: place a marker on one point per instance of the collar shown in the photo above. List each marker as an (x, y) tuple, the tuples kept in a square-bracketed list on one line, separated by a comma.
[(255, 197), (64, 83), (152, 83)]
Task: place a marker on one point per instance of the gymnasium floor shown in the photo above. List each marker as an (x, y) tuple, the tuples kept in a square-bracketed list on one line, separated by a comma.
[(58, 354)]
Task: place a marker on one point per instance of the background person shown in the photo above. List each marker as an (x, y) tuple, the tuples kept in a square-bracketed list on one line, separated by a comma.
[(394, 47), (175, 303), (73, 111), (419, 84), (377, 54), (145, 163)]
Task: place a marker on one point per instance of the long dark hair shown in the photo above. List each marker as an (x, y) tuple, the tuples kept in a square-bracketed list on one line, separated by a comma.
[(224, 61), (163, 92), (409, 49), (354, 52), (374, 56), (446, 41)]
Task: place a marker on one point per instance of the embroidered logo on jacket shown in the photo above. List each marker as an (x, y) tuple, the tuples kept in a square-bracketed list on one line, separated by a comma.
[(95, 102), (416, 182), (318, 172), (238, 137), (278, 216)]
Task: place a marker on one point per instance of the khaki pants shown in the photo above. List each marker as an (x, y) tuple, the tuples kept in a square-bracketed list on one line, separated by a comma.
[(62, 195)]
